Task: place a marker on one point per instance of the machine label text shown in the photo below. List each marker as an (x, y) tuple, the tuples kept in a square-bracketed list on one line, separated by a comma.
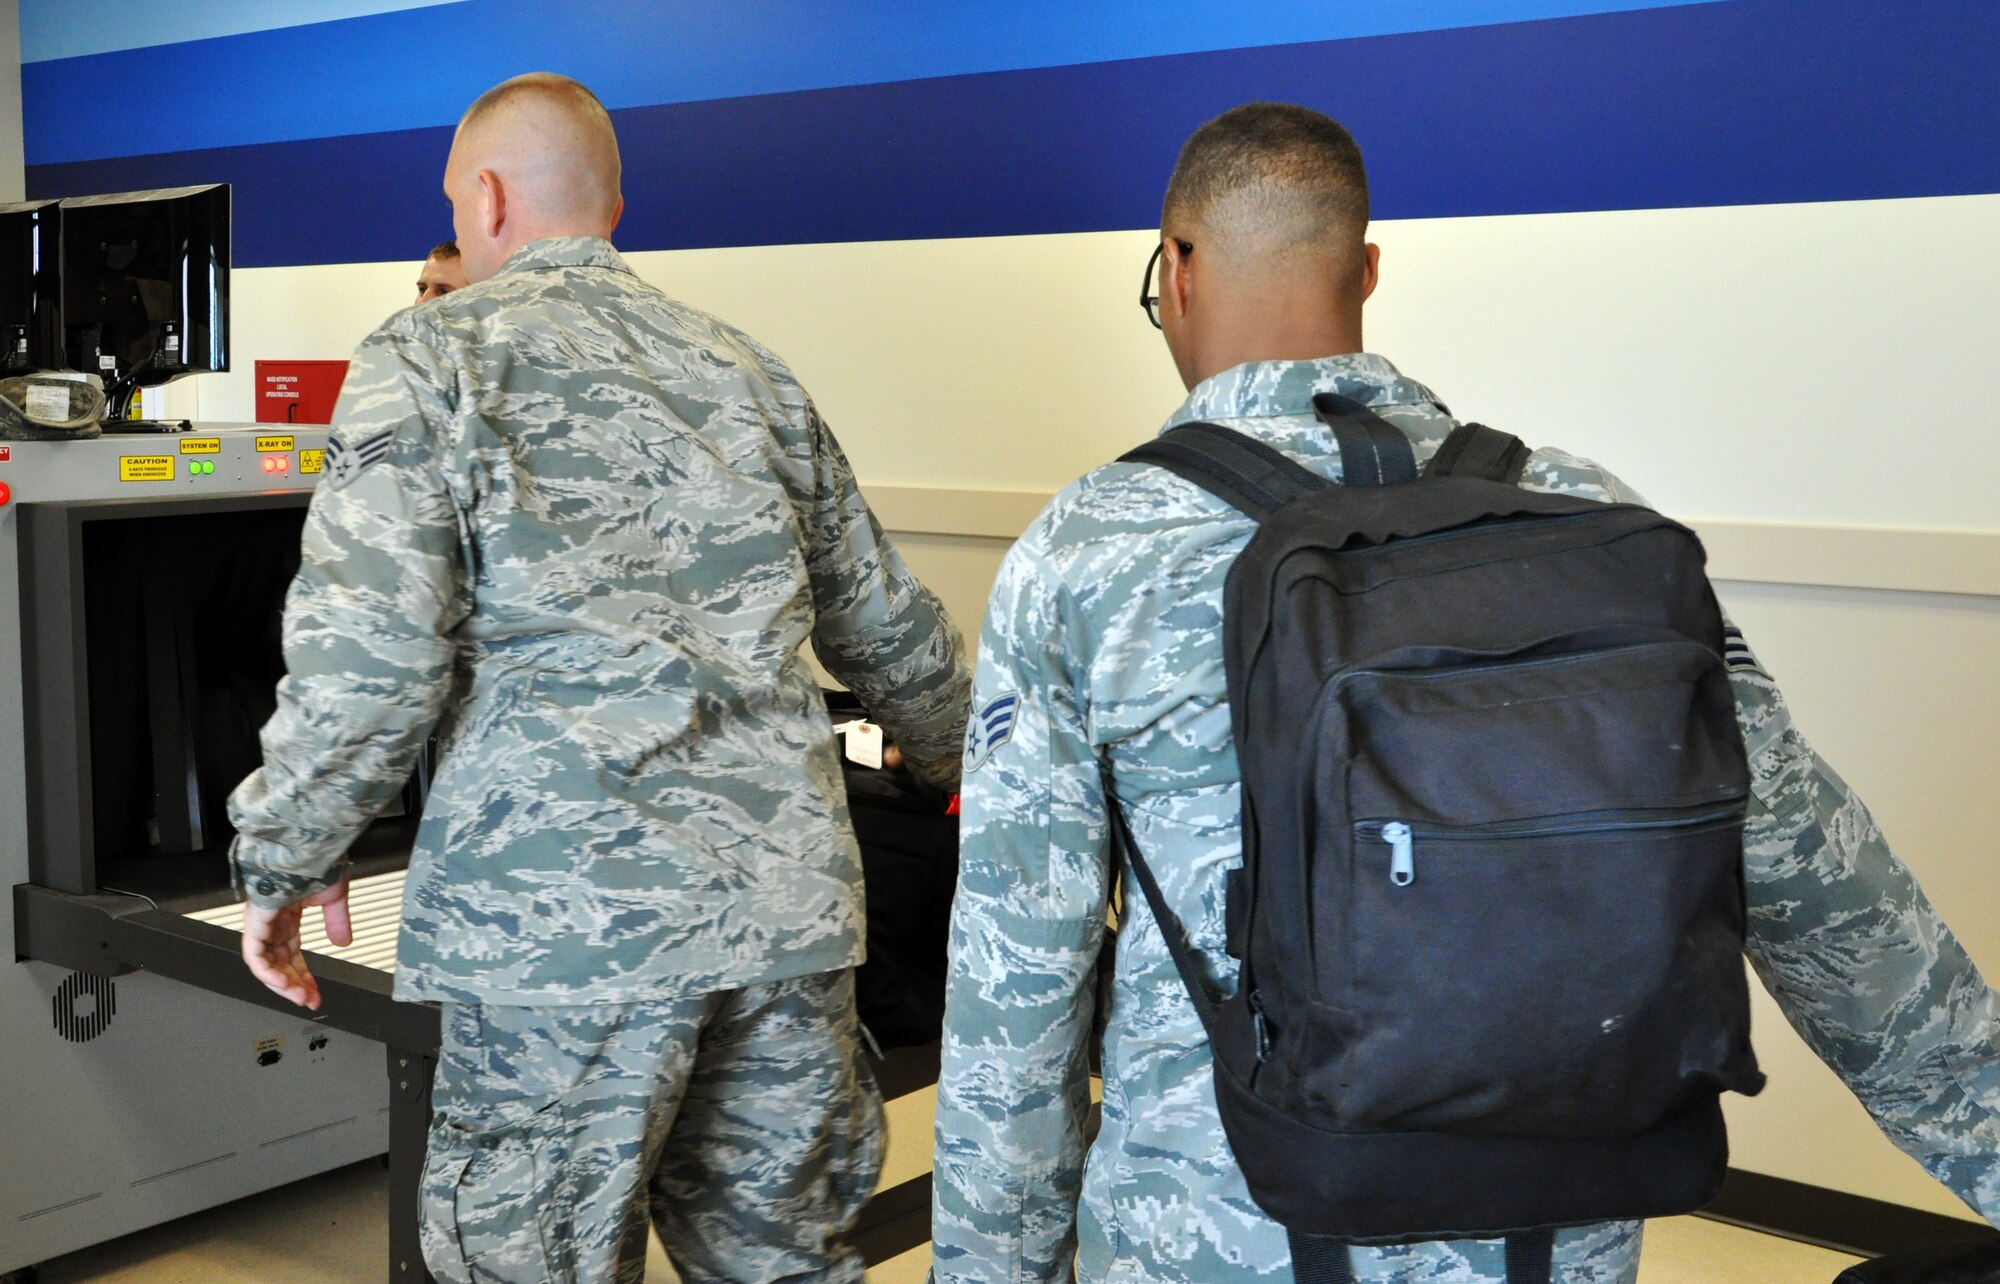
[(275, 443), (201, 445), (144, 468)]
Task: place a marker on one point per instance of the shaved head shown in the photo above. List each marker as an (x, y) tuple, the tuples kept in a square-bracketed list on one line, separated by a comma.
[(1271, 182), (535, 156)]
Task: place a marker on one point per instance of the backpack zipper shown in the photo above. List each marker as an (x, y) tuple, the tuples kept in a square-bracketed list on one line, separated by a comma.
[(1489, 524), (1260, 1026), (1402, 852), (1401, 837), (1494, 663)]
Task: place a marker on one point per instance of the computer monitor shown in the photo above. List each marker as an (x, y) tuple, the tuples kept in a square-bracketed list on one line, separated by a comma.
[(30, 287), (145, 287)]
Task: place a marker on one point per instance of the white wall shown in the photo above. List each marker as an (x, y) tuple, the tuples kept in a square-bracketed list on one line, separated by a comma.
[(1826, 367)]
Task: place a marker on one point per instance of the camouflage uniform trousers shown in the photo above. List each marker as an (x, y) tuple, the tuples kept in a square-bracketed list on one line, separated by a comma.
[(746, 1122)]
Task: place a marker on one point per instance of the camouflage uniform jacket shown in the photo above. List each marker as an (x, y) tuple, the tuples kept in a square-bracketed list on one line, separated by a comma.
[(1104, 642), (585, 531)]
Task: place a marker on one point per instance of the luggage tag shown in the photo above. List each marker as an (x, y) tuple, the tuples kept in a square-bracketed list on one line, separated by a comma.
[(862, 743)]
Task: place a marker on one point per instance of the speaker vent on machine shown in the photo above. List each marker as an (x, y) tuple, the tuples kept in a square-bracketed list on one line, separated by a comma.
[(84, 1006)]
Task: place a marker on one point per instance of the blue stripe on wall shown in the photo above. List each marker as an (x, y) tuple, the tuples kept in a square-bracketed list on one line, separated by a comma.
[(1744, 103), (421, 67), (71, 28)]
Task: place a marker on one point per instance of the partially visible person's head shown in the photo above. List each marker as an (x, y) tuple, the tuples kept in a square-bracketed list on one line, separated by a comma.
[(443, 271), (533, 157), (1271, 200)]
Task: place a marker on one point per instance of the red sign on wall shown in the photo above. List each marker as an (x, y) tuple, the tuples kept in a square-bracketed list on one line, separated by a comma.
[(298, 392)]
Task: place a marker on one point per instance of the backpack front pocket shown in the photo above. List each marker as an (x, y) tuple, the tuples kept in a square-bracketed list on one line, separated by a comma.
[(1527, 891)]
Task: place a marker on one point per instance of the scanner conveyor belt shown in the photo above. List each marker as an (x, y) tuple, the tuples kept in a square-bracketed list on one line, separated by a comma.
[(374, 904)]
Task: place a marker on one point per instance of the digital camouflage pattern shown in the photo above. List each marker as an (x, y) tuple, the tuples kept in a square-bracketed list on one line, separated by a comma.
[(748, 1122), (586, 530), (1105, 629)]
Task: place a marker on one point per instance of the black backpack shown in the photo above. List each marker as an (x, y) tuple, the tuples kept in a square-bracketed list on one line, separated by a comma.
[(1490, 913)]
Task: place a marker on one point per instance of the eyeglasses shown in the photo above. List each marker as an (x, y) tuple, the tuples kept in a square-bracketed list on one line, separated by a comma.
[(1149, 301)]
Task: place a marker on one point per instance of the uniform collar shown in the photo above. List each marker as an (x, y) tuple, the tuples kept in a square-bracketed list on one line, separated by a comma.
[(564, 251), (1271, 389)]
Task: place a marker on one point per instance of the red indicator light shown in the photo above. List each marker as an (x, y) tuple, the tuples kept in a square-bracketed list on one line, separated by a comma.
[(284, 463), (270, 464)]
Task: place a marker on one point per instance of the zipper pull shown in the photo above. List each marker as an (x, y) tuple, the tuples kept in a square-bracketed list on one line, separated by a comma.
[(1402, 853), (1260, 1026)]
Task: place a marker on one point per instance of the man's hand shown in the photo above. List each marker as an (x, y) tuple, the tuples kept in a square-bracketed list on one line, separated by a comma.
[(271, 942)]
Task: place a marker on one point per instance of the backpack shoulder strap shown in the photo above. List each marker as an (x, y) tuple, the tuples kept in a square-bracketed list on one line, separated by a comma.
[(1237, 469), (1124, 845), (1373, 451), (1474, 450)]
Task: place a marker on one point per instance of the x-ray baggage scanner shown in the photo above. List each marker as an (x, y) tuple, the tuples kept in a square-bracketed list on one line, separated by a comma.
[(147, 1075)]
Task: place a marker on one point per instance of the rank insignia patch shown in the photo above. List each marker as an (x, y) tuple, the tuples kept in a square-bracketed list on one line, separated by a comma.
[(344, 462), (1736, 652), (990, 728)]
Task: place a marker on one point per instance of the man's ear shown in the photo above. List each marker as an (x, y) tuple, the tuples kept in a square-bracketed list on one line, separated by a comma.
[(1371, 272), (1176, 277), (492, 204), (617, 214)]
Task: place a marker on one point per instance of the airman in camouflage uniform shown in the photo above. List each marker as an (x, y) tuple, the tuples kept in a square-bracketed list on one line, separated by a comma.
[(585, 532), (1103, 644)]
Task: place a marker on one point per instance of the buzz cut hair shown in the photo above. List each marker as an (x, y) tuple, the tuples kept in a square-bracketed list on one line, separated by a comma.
[(547, 84), (1272, 178), (443, 250)]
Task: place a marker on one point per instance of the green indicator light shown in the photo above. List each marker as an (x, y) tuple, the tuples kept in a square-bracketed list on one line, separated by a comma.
[(208, 466)]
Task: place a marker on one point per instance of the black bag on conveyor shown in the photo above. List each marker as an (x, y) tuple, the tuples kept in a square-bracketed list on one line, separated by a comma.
[(1971, 1262), (909, 863)]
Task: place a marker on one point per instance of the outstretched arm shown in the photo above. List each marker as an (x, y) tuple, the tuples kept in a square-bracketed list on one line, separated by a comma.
[(1861, 964)]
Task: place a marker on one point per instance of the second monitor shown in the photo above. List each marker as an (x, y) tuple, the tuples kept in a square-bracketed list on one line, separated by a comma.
[(145, 287)]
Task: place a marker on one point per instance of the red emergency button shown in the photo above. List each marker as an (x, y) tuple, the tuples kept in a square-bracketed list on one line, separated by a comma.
[(5, 493)]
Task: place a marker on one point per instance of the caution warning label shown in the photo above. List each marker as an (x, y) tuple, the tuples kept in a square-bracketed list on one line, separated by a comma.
[(141, 468)]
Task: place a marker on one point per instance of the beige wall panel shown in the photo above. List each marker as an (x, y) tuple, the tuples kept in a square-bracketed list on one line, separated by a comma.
[(1828, 363), (1756, 364), (993, 362)]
